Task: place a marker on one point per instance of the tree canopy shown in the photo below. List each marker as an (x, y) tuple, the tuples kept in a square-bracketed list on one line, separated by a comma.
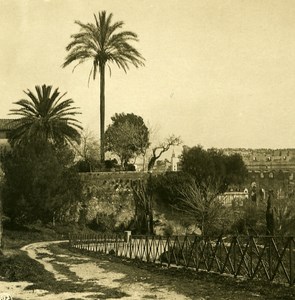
[(39, 182), (211, 165), (127, 136)]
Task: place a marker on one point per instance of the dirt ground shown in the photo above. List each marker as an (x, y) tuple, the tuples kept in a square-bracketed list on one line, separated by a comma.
[(83, 277)]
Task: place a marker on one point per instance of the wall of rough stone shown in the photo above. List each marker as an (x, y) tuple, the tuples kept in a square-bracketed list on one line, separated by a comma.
[(108, 197)]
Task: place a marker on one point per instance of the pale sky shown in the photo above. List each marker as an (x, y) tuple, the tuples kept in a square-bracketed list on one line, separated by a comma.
[(218, 73)]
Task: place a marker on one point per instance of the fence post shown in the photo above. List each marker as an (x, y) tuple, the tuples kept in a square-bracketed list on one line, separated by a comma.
[(130, 245), (105, 244), (116, 244), (169, 251), (147, 248), (127, 236)]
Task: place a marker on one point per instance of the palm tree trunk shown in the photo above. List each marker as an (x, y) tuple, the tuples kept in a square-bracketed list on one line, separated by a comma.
[(102, 110)]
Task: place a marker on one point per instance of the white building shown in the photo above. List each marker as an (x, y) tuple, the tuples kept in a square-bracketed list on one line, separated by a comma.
[(174, 162)]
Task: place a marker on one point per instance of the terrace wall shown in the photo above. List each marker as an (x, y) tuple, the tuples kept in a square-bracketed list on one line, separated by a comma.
[(109, 198)]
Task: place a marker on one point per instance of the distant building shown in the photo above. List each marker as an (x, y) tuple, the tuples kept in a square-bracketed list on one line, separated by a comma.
[(266, 160), (174, 162), (233, 198)]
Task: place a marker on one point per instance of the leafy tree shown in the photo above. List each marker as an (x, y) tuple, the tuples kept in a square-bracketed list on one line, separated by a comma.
[(39, 181), (213, 165), (213, 172), (162, 148), (44, 117), (102, 43), (167, 186), (127, 136), (236, 170)]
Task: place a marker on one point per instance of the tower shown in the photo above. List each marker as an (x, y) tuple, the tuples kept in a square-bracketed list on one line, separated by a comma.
[(174, 161)]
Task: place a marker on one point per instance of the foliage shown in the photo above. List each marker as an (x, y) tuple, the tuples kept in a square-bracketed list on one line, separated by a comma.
[(250, 219), (103, 223), (203, 205), (284, 216), (45, 117), (87, 152), (236, 170), (167, 186), (39, 181), (127, 136), (274, 217), (213, 165), (162, 148), (101, 43), (111, 164)]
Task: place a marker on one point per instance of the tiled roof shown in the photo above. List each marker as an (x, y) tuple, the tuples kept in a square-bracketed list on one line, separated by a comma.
[(6, 124)]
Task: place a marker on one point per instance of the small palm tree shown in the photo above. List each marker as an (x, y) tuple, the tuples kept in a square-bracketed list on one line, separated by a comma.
[(101, 44), (45, 117)]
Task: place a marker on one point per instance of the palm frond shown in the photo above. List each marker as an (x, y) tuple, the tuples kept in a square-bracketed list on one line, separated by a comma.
[(46, 117), (101, 42)]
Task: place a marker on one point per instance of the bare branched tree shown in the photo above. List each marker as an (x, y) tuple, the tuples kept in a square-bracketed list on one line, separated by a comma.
[(202, 204), (162, 148), (88, 150)]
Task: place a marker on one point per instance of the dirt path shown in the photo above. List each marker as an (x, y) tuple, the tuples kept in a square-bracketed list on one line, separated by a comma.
[(102, 283), (78, 277)]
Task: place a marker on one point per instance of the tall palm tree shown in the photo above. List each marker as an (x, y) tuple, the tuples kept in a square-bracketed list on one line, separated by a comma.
[(45, 117), (102, 43)]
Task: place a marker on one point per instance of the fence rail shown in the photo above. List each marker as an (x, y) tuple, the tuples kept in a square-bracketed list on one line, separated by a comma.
[(264, 257)]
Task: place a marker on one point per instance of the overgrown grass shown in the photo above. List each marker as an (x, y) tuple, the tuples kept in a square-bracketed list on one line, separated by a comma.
[(15, 237), (15, 265), (20, 267)]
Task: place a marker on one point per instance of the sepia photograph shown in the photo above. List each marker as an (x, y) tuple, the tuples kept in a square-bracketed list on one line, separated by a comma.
[(147, 149)]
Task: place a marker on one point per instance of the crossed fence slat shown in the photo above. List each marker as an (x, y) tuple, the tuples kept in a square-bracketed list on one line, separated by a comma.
[(269, 258)]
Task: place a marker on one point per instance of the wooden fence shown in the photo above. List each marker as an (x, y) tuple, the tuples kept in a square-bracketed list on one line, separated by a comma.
[(263, 257)]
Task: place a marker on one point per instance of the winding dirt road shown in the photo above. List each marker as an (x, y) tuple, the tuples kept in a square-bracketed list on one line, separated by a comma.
[(96, 278)]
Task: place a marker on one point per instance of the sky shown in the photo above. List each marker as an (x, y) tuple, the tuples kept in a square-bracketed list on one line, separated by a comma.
[(220, 73)]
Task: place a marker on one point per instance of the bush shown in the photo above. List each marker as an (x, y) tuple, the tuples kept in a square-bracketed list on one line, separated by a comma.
[(167, 187), (103, 223), (110, 164)]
